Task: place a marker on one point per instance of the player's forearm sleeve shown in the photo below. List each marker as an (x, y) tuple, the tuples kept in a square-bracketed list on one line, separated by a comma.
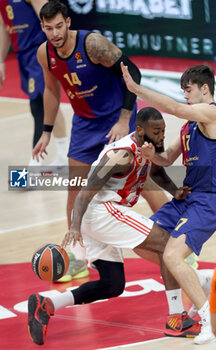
[(129, 97)]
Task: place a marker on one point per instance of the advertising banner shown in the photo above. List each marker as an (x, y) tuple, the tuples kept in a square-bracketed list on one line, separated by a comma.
[(169, 28)]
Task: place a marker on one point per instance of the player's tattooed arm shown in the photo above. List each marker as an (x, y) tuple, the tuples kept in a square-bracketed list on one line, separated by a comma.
[(115, 162), (101, 50), (118, 162)]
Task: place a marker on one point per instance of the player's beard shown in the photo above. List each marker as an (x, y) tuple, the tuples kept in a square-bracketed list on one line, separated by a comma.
[(157, 149), (65, 37)]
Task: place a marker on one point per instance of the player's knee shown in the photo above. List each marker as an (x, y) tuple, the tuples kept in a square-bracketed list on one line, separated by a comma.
[(169, 257), (115, 289)]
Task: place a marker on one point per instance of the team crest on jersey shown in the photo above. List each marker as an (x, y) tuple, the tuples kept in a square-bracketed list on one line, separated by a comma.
[(53, 62), (78, 57), (79, 60)]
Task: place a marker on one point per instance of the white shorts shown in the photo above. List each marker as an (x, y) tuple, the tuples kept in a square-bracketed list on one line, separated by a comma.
[(108, 227)]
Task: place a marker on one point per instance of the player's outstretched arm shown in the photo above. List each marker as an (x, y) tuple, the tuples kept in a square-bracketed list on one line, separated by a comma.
[(114, 162), (200, 112)]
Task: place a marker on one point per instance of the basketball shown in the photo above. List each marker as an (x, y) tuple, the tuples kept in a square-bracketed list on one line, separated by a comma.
[(50, 262)]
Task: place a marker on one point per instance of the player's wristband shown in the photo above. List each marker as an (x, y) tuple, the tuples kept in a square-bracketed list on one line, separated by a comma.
[(47, 128)]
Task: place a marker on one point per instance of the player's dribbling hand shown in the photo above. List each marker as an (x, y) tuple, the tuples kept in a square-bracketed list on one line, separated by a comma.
[(73, 236)]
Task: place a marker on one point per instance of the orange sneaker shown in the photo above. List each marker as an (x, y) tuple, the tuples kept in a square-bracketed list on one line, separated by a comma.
[(181, 325), (39, 311)]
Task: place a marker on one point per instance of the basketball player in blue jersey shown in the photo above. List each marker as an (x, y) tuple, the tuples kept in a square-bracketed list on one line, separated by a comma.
[(20, 27), (87, 65), (191, 222)]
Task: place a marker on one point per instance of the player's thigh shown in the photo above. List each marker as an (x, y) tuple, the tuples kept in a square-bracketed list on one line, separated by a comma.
[(156, 240), (115, 225), (177, 248)]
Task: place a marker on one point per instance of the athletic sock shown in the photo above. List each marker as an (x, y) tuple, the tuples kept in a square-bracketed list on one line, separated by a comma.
[(204, 313), (61, 300), (174, 299)]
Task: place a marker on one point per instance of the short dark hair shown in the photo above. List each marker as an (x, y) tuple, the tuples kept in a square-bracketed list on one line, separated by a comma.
[(200, 74), (52, 8), (147, 113)]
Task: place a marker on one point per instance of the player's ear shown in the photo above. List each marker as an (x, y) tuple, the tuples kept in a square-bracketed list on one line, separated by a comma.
[(205, 89), (42, 26), (68, 22), (140, 130)]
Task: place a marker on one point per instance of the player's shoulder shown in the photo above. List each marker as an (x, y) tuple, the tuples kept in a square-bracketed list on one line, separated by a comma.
[(42, 55), (42, 48)]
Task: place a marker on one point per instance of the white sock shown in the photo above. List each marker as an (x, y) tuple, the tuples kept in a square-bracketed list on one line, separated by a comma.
[(174, 299), (62, 300), (204, 313), (62, 144)]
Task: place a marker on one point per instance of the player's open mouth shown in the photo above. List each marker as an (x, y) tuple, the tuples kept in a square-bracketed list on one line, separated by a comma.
[(56, 41)]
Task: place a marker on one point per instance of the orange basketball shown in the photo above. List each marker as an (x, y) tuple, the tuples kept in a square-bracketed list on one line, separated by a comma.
[(50, 262)]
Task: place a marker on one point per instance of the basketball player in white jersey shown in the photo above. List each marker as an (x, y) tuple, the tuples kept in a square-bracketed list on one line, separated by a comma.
[(104, 223)]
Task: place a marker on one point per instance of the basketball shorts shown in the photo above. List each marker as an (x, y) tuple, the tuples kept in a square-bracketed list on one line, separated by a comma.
[(31, 73), (108, 227), (194, 217), (88, 135)]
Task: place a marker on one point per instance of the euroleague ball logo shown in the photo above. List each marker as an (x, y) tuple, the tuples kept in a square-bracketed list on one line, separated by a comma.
[(45, 268), (81, 6)]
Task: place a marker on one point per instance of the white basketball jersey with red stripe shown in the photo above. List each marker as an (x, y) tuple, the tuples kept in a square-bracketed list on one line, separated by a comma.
[(126, 189)]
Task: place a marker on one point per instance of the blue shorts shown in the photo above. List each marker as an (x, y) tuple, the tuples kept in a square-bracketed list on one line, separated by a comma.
[(31, 73), (88, 135), (195, 217)]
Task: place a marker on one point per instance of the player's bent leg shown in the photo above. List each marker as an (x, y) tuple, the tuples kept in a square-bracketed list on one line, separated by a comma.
[(178, 324), (111, 283), (175, 252), (174, 255)]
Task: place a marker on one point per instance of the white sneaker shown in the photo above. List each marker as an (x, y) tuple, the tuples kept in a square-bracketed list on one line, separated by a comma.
[(59, 161), (206, 335), (59, 165)]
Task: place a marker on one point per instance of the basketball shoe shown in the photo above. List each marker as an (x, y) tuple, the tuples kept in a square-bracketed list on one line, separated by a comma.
[(39, 311), (206, 335), (181, 325), (77, 269)]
